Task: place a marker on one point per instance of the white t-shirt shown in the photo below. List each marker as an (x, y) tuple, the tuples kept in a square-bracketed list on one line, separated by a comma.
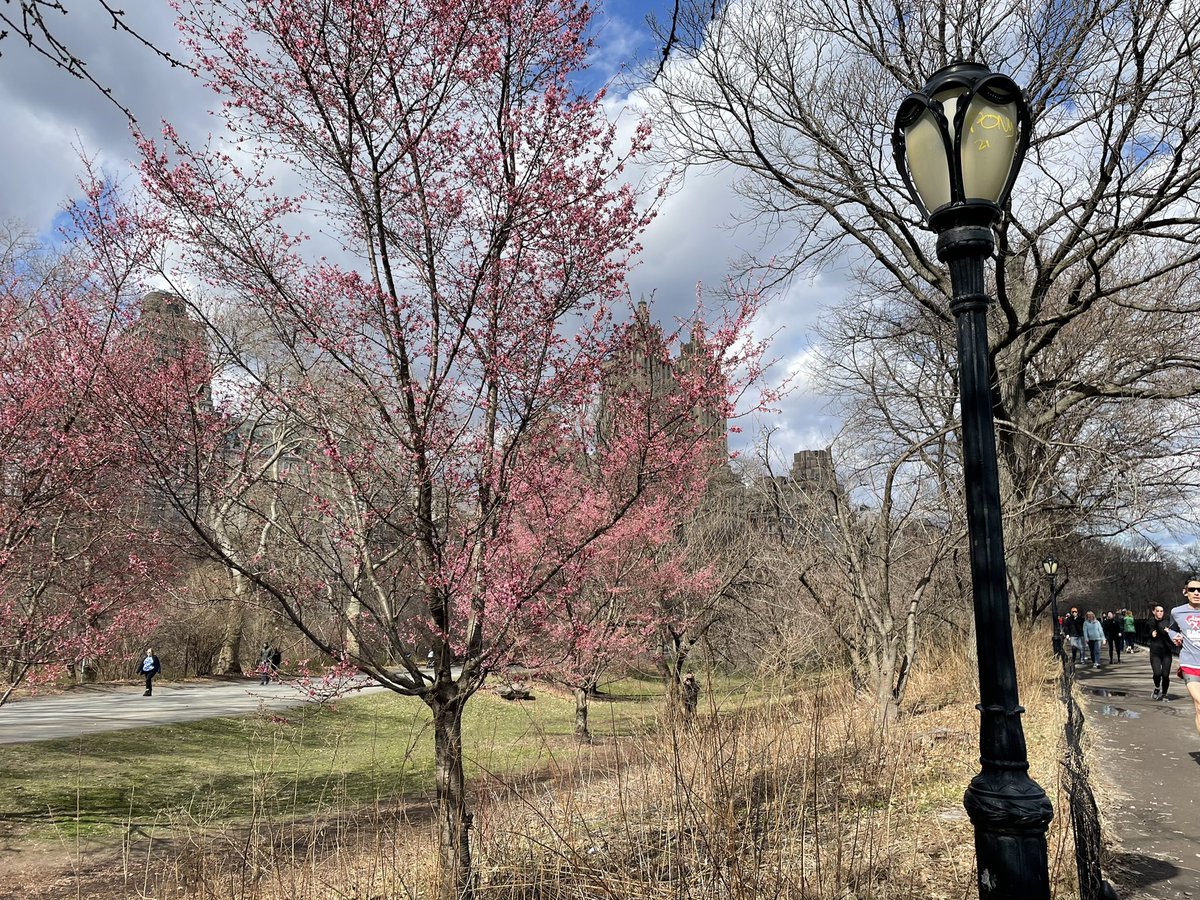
[(1185, 621)]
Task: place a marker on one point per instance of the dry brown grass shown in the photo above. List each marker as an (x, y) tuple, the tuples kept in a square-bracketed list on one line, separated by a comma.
[(797, 799)]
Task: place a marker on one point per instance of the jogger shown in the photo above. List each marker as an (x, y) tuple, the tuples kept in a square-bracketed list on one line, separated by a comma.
[(1162, 652), (1185, 632)]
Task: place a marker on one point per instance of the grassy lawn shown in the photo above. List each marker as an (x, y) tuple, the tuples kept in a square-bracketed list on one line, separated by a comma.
[(299, 762)]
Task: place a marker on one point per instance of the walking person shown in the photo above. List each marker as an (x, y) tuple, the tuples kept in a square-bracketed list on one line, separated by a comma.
[(264, 664), (1129, 627), (1185, 633), (276, 662), (1112, 634), (1093, 633), (1162, 651), (1073, 629), (149, 667)]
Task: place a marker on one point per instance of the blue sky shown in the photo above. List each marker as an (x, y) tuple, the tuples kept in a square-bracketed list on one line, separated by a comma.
[(622, 24)]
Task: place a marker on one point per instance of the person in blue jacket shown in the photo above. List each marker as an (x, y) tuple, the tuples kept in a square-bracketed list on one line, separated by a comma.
[(1093, 634)]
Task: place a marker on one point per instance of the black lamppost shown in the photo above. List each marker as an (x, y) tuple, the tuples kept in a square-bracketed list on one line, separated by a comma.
[(1050, 567), (958, 144)]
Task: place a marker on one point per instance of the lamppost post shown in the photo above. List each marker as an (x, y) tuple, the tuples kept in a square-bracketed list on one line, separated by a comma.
[(1050, 567), (958, 145)]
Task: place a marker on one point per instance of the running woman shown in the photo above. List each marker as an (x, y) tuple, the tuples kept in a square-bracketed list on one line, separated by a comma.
[(1162, 649), (1186, 635)]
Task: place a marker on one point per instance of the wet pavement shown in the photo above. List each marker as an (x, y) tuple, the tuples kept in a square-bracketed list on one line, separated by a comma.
[(99, 708), (1146, 774)]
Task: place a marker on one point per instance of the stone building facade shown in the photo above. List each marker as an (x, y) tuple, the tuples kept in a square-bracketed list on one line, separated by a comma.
[(649, 368)]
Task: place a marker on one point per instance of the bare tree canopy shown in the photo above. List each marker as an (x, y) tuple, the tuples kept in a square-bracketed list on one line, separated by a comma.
[(1096, 280)]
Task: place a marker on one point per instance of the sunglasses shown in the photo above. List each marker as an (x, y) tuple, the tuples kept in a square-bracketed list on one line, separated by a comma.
[(1189, 588)]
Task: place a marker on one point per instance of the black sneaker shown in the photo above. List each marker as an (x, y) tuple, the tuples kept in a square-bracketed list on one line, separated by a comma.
[(1157, 695)]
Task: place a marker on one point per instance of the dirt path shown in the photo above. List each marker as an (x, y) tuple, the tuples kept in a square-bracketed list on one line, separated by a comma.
[(1147, 778)]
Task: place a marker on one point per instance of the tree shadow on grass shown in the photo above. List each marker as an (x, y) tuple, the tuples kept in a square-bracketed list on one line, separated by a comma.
[(604, 697), (223, 798)]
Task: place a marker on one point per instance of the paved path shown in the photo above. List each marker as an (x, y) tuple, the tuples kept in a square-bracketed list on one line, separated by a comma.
[(114, 707), (1147, 776)]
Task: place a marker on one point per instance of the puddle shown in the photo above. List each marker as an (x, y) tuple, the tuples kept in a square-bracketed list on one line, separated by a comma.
[(1103, 692), (1119, 712)]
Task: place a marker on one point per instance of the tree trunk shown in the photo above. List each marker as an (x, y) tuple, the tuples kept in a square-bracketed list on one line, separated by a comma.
[(454, 820), (887, 708), (673, 663), (908, 654), (353, 611), (581, 714), (229, 657), (17, 674), (861, 668)]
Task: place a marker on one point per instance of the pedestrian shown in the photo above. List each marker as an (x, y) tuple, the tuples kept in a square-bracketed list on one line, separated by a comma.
[(1185, 633), (691, 696), (276, 662), (1073, 629), (1129, 627), (264, 663), (1112, 634), (149, 667), (1162, 651), (1093, 633)]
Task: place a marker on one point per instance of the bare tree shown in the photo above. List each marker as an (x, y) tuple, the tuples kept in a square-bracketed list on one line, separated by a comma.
[(1096, 282), (869, 549)]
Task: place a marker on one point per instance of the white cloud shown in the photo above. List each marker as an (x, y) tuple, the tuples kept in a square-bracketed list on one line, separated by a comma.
[(617, 44), (50, 116)]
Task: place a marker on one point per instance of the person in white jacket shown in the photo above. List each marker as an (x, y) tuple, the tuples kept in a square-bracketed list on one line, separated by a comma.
[(1185, 632)]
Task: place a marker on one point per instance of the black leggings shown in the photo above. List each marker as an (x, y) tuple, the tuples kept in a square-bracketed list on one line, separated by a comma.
[(1160, 664), (1114, 648)]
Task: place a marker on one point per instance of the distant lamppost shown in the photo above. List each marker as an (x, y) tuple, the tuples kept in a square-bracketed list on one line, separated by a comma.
[(1050, 567), (959, 143)]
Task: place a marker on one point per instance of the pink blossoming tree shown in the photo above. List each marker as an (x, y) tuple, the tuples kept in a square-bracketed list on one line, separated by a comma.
[(405, 453), (83, 556), (607, 608)]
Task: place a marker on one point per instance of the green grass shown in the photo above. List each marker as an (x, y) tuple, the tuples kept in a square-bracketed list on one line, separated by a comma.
[(301, 762)]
